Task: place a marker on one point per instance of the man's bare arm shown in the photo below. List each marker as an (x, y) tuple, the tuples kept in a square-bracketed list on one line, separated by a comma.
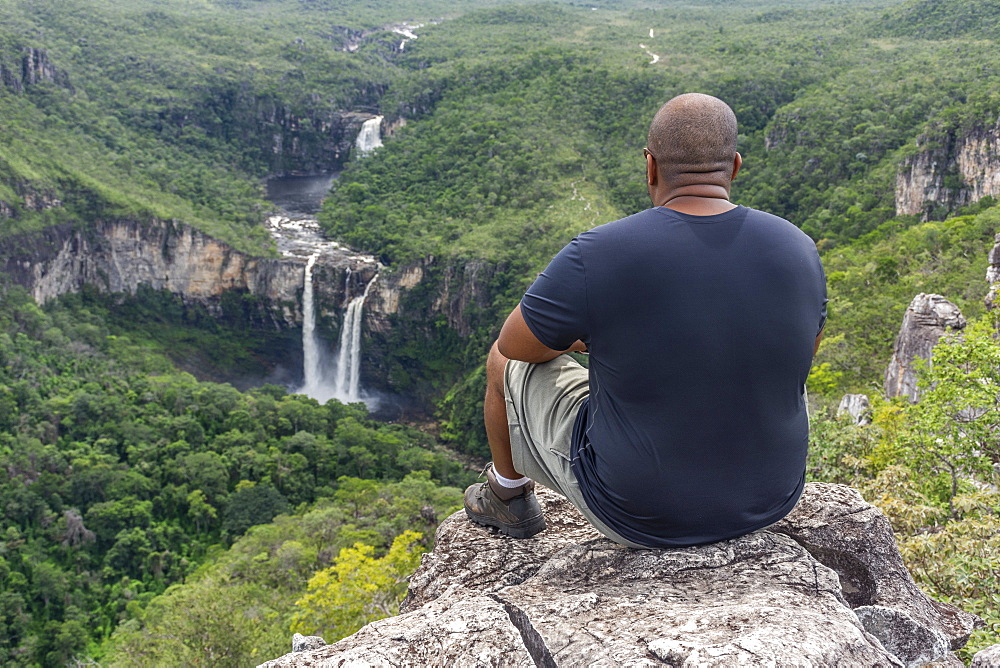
[(517, 342), (819, 338)]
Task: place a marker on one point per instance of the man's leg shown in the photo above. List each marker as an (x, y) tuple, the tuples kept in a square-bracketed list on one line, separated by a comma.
[(530, 413), (507, 499), (495, 415)]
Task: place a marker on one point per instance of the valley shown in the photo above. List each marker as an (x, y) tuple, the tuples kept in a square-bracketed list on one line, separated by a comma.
[(244, 243)]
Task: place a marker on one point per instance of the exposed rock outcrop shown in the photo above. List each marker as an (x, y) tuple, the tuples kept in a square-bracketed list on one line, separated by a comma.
[(927, 319), (857, 406), (301, 643), (460, 291), (31, 199), (825, 586), (993, 274), (120, 255), (950, 170), (316, 141), (855, 539), (35, 67), (987, 658)]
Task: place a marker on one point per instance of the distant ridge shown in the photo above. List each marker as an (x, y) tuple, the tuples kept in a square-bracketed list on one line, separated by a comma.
[(943, 19)]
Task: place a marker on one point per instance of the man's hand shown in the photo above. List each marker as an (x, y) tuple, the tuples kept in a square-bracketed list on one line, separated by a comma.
[(517, 342)]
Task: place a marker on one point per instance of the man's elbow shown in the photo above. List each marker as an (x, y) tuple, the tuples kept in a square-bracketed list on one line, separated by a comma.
[(512, 351), (521, 353), (502, 348)]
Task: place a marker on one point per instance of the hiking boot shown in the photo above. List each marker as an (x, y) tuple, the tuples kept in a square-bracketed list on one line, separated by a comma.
[(519, 516)]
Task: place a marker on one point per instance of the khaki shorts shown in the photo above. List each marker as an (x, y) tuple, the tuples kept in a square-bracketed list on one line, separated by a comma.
[(542, 403)]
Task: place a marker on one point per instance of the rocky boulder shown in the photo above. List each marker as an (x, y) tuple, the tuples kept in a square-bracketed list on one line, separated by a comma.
[(857, 406), (927, 319), (825, 586), (987, 658)]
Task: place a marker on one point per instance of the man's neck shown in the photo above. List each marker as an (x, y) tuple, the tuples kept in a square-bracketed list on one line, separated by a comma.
[(699, 206)]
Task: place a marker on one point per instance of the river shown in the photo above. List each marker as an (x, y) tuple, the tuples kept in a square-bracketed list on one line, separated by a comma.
[(329, 372), (299, 195)]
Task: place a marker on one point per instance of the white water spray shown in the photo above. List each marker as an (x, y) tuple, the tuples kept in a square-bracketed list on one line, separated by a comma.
[(347, 385), (300, 237), (311, 368), (370, 137)]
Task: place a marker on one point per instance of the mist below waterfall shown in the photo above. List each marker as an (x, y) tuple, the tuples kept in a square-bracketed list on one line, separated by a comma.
[(337, 375)]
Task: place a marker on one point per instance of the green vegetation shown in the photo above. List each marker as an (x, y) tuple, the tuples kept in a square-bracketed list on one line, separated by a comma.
[(238, 609), (930, 466), (121, 475), (940, 19), (358, 588), (872, 281), (170, 110)]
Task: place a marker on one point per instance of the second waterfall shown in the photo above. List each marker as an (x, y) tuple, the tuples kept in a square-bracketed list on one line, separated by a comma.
[(343, 381)]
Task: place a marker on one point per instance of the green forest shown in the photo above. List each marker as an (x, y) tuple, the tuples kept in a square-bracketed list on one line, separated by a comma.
[(152, 516)]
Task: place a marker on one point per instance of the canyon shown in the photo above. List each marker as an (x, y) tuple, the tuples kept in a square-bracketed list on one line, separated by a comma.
[(118, 256)]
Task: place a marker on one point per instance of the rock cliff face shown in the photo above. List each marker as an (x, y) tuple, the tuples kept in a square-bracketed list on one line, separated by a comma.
[(949, 171), (927, 319), (35, 67), (825, 586), (316, 141), (311, 137), (458, 292), (118, 256), (993, 274)]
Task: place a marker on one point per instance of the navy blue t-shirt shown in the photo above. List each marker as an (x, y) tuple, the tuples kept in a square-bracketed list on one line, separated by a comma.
[(700, 331)]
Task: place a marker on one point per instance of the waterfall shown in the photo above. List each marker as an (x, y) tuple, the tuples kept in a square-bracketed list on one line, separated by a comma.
[(347, 385), (370, 137), (310, 349)]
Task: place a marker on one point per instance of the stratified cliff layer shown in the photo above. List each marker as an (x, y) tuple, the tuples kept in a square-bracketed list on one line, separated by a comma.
[(951, 169), (825, 586), (120, 255), (424, 302)]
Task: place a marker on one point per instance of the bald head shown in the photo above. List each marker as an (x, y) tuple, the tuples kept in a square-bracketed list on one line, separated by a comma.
[(693, 134)]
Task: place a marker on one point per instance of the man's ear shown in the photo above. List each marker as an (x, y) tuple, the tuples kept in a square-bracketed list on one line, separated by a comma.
[(737, 163), (652, 176)]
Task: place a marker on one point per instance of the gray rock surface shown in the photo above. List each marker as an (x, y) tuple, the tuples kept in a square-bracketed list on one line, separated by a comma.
[(993, 274), (910, 640), (857, 406), (36, 68), (301, 643), (951, 169), (121, 255), (987, 658), (845, 533), (927, 319), (571, 597)]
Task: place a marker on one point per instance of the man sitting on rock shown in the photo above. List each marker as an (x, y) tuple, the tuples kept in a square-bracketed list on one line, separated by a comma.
[(701, 319)]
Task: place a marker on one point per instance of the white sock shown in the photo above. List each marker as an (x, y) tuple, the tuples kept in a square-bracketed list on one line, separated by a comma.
[(508, 483)]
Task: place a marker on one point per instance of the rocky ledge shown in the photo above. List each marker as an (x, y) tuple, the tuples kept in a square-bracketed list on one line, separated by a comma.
[(825, 586)]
